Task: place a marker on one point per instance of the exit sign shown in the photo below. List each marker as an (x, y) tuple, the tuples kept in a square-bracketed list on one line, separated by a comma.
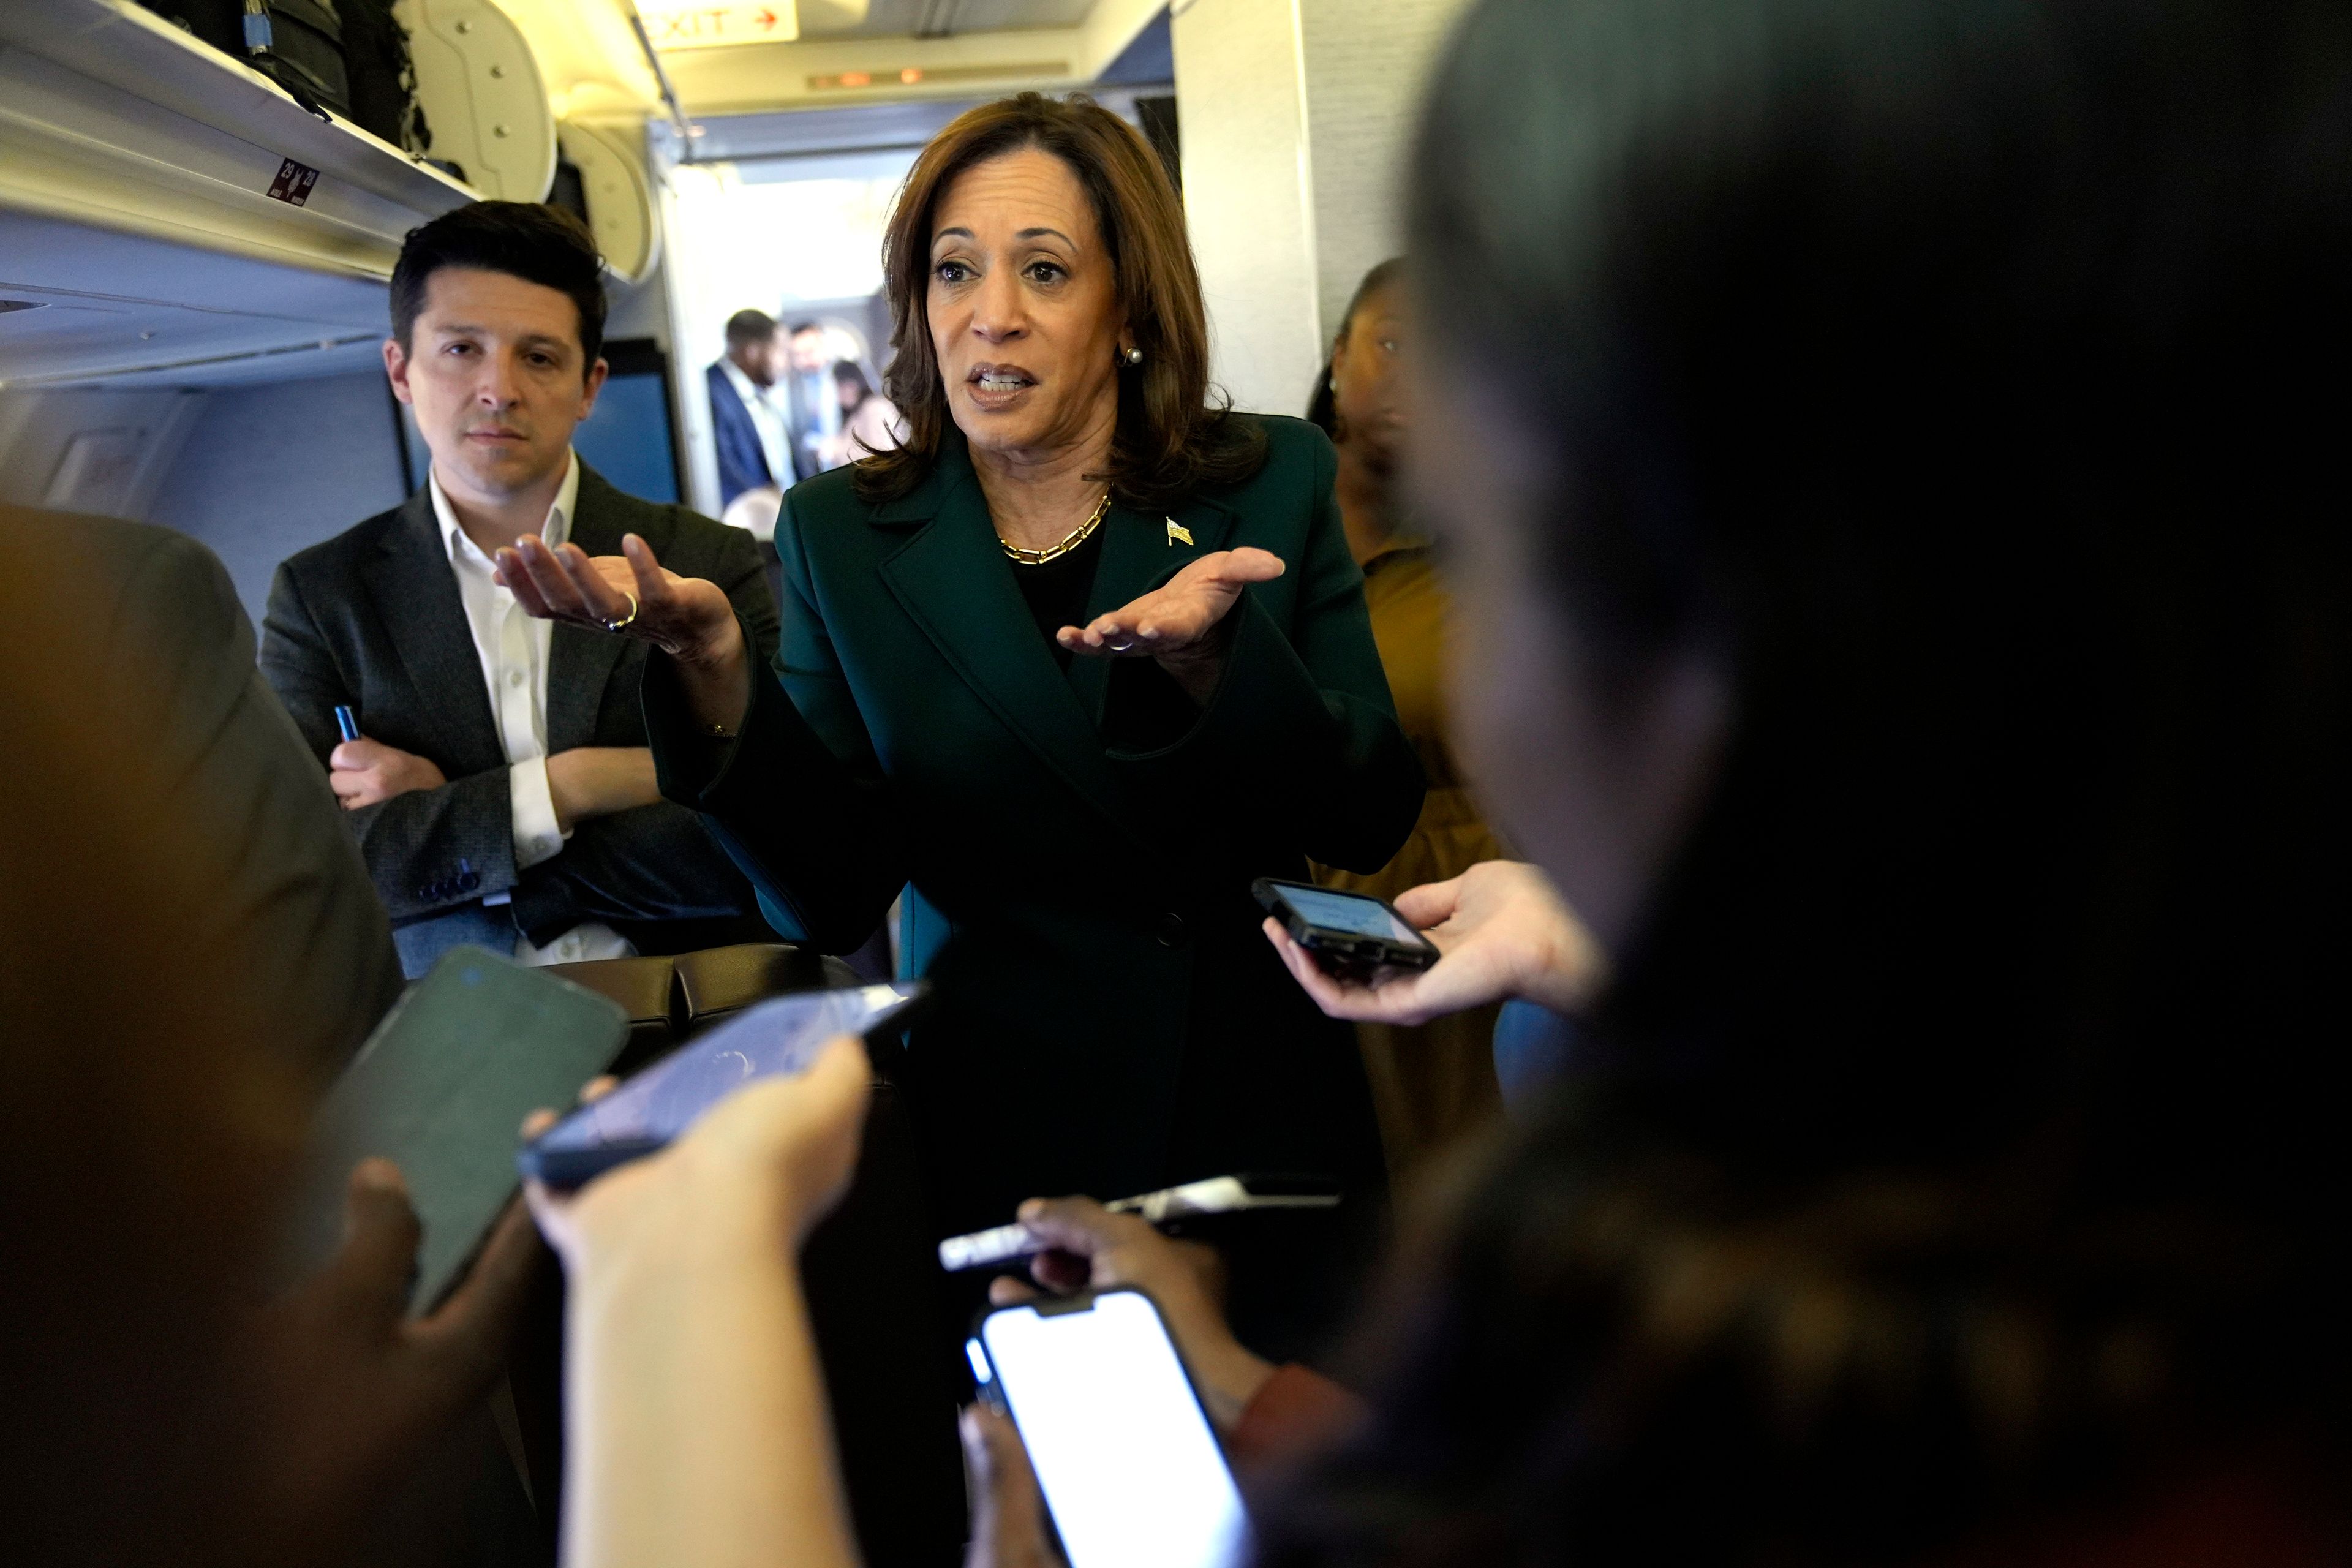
[(676, 24)]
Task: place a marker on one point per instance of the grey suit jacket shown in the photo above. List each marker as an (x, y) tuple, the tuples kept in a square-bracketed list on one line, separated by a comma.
[(157, 649), (372, 618)]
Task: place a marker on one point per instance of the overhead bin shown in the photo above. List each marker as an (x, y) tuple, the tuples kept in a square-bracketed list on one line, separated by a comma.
[(111, 117), (483, 95)]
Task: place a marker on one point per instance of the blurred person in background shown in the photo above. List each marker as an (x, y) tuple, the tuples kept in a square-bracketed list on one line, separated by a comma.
[(190, 951), (1907, 611), (813, 403), (1434, 1081), (753, 435), (1073, 666), (869, 421)]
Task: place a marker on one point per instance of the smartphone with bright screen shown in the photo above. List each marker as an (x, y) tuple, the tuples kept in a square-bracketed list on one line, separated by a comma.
[(650, 1111), (1350, 912), (1121, 1446)]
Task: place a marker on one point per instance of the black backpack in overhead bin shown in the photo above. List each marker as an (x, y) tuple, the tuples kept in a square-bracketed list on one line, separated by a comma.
[(384, 76), (348, 56)]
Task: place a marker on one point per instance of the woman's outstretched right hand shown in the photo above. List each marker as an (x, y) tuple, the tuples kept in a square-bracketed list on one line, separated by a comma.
[(634, 596)]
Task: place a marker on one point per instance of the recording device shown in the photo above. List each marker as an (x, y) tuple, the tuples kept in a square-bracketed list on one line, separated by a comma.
[(439, 1089), (1353, 935), (1167, 1208), (644, 1115), (1123, 1451)]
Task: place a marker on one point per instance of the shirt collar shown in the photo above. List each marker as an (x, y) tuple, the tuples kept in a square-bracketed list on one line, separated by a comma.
[(745, 387), (554, 530)]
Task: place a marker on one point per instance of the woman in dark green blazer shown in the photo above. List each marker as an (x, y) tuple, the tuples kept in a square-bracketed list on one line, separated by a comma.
[(1073, 667)]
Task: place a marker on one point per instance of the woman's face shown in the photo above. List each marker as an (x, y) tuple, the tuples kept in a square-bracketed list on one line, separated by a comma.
[(1023, 307), (1595, 779), (1368, 383)]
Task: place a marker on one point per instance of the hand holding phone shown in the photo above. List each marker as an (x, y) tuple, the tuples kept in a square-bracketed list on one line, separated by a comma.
[(1502, 931), (777, 1039), (1092, 1248), (1122, 1449), (1353, 935), (438, 1089)]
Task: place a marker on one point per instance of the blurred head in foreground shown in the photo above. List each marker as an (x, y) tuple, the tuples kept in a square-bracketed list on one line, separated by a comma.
[(153, 1113), (1904, 604)]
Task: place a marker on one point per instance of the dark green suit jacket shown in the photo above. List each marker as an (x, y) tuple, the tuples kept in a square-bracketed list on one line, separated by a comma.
[(1111, 1017)]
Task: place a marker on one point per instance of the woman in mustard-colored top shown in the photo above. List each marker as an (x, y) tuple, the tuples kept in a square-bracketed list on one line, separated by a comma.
[(1434, 1081)]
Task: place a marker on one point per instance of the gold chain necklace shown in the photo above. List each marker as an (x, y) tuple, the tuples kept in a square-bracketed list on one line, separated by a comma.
[(1070, 541)]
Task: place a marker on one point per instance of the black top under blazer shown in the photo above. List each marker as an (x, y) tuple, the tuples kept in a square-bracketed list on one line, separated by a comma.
[(1111, 1019)]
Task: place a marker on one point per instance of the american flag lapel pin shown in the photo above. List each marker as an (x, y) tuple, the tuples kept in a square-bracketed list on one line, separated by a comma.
[(1177, 532)]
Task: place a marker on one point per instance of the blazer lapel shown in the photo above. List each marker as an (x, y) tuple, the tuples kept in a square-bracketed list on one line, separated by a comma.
[(1142, 550), (581, 662), (418, 605), (953, 579)]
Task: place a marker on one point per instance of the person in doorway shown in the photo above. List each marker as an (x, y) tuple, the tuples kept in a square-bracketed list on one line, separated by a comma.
[(753, 433), (499, 782), (869, 421), (1434, 1081), (815, 407), (189, 952)]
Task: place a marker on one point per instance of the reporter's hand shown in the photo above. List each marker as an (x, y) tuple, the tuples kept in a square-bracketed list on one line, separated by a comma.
[(598, 781), (1501, 931), (365, 773), (1183, 623), (1008, 1511), (352, 1386), (697, 1430), (1091, 1249), (688, 618), (774, 1157)]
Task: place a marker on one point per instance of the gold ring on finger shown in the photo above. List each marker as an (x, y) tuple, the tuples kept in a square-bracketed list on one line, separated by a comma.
[(621, 623)]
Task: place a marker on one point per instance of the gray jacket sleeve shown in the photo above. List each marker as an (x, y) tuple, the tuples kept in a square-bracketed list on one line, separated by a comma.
[(427, 851), (292, 891)]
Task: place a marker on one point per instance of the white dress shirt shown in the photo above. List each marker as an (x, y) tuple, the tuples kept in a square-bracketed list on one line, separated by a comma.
[(513, 649), (773, 425)]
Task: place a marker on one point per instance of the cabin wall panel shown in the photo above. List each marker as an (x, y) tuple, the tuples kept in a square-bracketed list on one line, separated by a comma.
[(1367, 70), (94, 451), (1296, 117), (275, 468)]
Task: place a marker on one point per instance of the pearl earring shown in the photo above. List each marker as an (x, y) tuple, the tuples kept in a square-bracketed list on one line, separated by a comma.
[(1133, 356)]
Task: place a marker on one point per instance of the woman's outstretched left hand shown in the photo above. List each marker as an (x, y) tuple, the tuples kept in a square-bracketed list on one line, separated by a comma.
[(1182, 623)]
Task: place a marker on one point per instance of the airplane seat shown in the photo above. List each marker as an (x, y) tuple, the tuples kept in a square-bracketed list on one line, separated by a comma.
[(645, 989), (718, 982)]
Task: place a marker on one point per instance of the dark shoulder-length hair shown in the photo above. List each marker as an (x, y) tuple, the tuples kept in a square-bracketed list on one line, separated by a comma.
[(1323, 406), (1171, 441)]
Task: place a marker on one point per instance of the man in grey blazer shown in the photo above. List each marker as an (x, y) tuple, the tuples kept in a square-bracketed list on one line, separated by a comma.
[(500, 781)]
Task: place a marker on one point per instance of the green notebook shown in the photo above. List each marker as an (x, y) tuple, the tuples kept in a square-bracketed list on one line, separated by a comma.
[(440, 1088)]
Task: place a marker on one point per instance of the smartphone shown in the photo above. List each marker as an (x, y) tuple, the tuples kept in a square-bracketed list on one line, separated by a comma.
[(1123, 1451), (1353, 935), (439, 1089), (646, 1114)]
